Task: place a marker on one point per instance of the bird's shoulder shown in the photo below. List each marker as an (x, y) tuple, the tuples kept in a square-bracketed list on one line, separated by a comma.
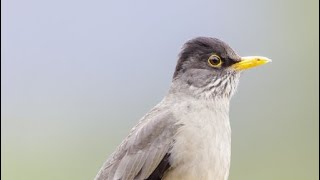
[(144, 148)]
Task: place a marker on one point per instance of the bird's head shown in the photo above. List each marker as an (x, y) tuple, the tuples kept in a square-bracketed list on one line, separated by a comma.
[(210, 68)]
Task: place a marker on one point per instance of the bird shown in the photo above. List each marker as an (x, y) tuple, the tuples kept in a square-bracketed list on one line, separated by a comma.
[(187, 136)]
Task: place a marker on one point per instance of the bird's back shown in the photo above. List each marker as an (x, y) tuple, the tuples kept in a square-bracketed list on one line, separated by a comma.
[(144, 154)]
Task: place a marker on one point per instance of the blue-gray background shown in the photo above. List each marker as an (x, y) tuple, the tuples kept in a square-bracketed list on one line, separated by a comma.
[(77, 75)]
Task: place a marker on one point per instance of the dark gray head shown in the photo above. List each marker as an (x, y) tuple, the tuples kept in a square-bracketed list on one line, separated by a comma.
[(196, 52), (208, 67), (204, 65)]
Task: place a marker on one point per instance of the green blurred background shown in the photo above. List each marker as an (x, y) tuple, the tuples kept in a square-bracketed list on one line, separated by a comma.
[(77, 75)]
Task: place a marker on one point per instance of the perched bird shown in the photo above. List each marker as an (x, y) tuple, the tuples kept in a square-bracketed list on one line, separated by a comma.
[(187, 136)]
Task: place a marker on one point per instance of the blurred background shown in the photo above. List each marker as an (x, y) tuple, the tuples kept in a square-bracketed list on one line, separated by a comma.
[(77, 75)]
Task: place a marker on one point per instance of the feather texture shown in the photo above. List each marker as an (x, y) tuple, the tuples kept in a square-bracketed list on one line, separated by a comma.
[(147, 145)]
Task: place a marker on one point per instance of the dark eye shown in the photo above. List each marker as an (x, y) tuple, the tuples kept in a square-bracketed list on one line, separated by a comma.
[(214, 61)]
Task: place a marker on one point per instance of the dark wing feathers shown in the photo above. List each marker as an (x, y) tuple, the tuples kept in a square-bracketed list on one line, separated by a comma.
[(158, 173), (144, 154)]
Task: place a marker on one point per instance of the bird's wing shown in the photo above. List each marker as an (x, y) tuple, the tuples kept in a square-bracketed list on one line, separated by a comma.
[(144, 154)]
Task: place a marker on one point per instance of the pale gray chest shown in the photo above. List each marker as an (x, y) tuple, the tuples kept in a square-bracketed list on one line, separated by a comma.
[(202, 145)]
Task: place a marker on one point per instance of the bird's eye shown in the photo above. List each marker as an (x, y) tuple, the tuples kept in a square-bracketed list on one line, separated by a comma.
[(214, 61)]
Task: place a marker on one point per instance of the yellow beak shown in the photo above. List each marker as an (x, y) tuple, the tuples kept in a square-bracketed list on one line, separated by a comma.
[(250, 62)]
